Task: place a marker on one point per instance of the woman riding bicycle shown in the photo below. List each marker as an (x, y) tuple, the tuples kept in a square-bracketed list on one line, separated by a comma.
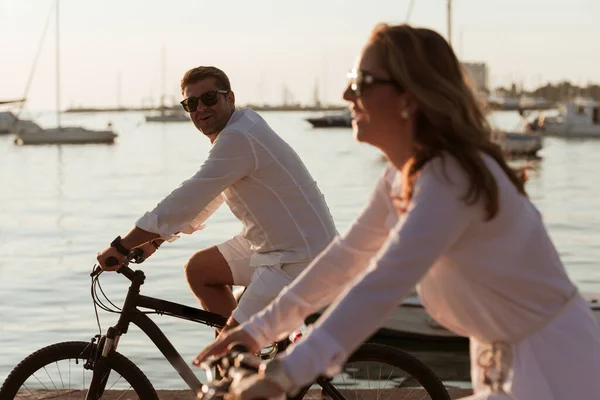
[(449, 215)]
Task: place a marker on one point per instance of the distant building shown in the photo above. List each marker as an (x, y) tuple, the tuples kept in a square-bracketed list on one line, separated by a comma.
[(477, 73)]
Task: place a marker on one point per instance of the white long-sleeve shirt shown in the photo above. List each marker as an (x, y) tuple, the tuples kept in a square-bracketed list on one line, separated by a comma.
[(488, 280), (266, 185)]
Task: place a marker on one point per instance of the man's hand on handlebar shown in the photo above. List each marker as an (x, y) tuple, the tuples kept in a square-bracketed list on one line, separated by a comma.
[(111, 259), (147, 250), (112, 254)]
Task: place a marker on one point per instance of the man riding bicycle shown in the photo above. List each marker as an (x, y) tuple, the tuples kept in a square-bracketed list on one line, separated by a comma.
[(286, 221)]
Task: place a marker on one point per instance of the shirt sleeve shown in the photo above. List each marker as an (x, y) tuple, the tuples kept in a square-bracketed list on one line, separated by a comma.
[(328, 274), (198, 222), (435, 220), (230, 159)]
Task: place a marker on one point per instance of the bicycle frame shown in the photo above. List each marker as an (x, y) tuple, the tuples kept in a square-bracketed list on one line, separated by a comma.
[(131, 314)]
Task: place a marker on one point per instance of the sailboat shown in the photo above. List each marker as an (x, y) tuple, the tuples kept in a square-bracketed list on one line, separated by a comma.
[(166, 114), (520, 142), (28, 132), (7, 118)]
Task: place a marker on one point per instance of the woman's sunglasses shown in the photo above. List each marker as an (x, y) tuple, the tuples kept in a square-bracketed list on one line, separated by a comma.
[(358, 80), (209, 99)]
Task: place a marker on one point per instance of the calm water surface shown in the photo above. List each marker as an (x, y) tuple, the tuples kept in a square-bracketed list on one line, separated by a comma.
[(60, 205)]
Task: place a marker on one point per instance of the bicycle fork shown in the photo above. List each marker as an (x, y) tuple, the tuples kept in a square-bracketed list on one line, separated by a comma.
[(98, 362)]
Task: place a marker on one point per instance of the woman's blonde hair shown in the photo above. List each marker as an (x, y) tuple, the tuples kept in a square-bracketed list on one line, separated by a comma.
[(448, 119)]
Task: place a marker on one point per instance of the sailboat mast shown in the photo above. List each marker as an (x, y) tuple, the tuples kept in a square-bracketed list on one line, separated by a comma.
[(57, 67), (449, 21), (163, 79)]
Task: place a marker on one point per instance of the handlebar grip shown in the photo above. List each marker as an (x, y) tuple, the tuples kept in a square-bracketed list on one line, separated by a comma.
[(111, 261), (238, 348), (136, 256)]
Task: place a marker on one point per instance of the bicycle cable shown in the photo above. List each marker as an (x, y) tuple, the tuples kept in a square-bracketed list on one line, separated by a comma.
[(96, 288)]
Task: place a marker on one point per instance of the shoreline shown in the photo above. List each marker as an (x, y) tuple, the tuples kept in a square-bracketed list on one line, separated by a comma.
[(404, 394), (313, 394)]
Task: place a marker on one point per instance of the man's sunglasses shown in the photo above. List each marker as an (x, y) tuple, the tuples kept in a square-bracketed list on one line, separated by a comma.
[(358, 80), (209, 99)]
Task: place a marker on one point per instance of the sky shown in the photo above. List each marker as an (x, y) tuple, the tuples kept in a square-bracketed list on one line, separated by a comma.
[(111, 51)]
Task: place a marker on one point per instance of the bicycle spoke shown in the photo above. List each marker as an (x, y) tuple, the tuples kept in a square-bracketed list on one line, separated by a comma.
[(379, 390), (41, 390), (33, 395), (41, 381), (390, 382), (355, 385), (60, 375), (51, 380), (111, 386), (123, 394), (389, 378)]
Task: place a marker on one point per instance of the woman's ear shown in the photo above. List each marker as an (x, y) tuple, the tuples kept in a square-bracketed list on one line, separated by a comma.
[(406, 106)]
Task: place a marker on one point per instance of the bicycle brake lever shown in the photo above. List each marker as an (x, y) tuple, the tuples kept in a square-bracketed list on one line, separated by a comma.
[(97, 271), (137, 256)]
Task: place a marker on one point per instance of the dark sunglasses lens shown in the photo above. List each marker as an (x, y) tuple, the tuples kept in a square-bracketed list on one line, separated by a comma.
[(209, 98), (190, 104)]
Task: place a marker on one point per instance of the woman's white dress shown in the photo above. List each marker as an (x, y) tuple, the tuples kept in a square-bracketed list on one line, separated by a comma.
[(497, 282)]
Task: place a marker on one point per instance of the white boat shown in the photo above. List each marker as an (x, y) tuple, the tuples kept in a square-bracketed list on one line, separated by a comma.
[(503, 101), (518, 143), (7, 120), (32, 133), (515, 135), (339, 120), (410, 321), (28, 132), (168, 116), (579, 118), (533, 103)]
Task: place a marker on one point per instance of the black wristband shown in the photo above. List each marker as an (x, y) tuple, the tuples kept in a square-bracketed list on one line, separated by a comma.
[(156, 245), (117, 245)]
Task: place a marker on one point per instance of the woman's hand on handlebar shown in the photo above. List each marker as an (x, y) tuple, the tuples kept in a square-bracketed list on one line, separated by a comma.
[(110, 252), (220, 345), (253, 387)]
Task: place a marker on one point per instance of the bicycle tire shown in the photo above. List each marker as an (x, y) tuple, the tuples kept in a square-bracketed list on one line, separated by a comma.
[(372, 352), (77, 351)]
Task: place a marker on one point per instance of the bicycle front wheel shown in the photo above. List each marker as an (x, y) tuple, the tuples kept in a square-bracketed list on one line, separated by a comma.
[(57, 372), (376, 371)]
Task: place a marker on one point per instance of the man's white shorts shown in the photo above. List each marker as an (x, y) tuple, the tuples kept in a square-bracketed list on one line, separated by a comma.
[(263, 282)]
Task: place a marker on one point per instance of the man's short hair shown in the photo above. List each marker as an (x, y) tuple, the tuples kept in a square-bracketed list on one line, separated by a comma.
[(197, 74)]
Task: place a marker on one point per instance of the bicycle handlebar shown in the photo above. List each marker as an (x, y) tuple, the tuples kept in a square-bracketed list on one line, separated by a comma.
[(236, 361), (135, 256)]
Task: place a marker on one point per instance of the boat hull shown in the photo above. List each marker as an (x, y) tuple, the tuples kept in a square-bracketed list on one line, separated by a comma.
[(71, 135), (410, 321), (167, 118), (574, 131), (329, 122), (516, 143)]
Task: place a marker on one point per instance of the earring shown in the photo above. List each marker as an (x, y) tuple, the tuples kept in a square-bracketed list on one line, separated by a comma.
[(404, 114)]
